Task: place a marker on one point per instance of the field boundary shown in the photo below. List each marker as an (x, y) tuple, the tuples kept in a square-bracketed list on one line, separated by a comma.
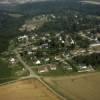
[(50, 88), (42, 82)]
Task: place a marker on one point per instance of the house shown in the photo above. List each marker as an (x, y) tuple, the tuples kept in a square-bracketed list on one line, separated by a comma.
[(58, 34), (68, 67), (72, 41), (62, 41), (47, 59), (29, 53), (47, 34), (60, 38), (38, 62), (12, 60), (98, 35), (53, 67), (33, 37), (82, 67), (45, 45), (44, 38), (23, 37), (34, 48), (49, 40), (53, 16), (43, 70), (57, 58)]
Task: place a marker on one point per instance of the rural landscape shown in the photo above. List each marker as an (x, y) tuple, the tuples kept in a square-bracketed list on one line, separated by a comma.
[(49, 49)]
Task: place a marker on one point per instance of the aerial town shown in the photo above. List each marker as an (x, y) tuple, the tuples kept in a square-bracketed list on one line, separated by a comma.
[(49, 50), (54, 53)]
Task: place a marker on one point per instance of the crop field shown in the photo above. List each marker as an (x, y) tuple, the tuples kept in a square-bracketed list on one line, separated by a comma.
[(78, 87), (30, 89)]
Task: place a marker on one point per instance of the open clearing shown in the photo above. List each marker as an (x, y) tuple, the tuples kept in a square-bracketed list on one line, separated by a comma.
[(30, 89), (78, 87)]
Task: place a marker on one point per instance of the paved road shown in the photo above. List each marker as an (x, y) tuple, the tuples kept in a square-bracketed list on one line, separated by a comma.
[(32, 73)]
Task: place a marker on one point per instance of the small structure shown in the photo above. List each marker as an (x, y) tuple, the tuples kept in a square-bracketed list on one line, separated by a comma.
[(47, 59), (98, 35), (44, 38), (60, 38), (33, 37), (82, 66), (34, 48), (67, 67), (43, 70), (12, 60), (29, 53), (57, 58), (23, 37), (72, 41), (62, 41), (38, 62), (52, 67), (44, 45)]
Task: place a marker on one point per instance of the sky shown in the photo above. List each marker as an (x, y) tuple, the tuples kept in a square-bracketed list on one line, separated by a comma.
[(21, 1)]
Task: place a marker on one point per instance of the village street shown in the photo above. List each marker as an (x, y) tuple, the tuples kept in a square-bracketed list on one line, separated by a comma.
[(27, 67)]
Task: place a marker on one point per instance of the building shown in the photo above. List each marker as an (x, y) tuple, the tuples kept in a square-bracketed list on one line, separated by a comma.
[(12, 60), (82, 66), (43, 70), (47, 59), (38, 62), (53, 67)]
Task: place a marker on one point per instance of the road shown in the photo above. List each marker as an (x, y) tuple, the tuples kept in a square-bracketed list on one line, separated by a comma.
[(27, 67), (34, 75), (88, 30)]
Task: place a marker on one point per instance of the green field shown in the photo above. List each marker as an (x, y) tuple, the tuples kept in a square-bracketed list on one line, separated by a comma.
[(5, 72)]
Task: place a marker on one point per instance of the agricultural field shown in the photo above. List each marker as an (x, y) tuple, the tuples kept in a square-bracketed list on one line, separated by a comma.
[(78, 87), (30, 89)]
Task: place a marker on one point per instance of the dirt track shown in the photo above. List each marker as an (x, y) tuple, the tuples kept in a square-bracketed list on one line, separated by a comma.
[(79, 87), (30, 89)]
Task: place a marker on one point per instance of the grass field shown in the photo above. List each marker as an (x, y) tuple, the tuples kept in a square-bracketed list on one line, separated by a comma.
[(78, 87), (30, 89)]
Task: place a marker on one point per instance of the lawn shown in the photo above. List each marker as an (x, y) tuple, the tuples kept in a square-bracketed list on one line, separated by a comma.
[(5, 72)]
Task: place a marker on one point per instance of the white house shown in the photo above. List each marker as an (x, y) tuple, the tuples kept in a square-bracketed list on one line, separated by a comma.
[(43, 70), (62, 41), (29, 53), (34, 48), (33, 37), (38, 62), (22, 37), (72, 41), (12, 61), (69, 68), (53, 67), (82, 67), (60, 38), (44, 38), (57, 58), (47, 59)]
